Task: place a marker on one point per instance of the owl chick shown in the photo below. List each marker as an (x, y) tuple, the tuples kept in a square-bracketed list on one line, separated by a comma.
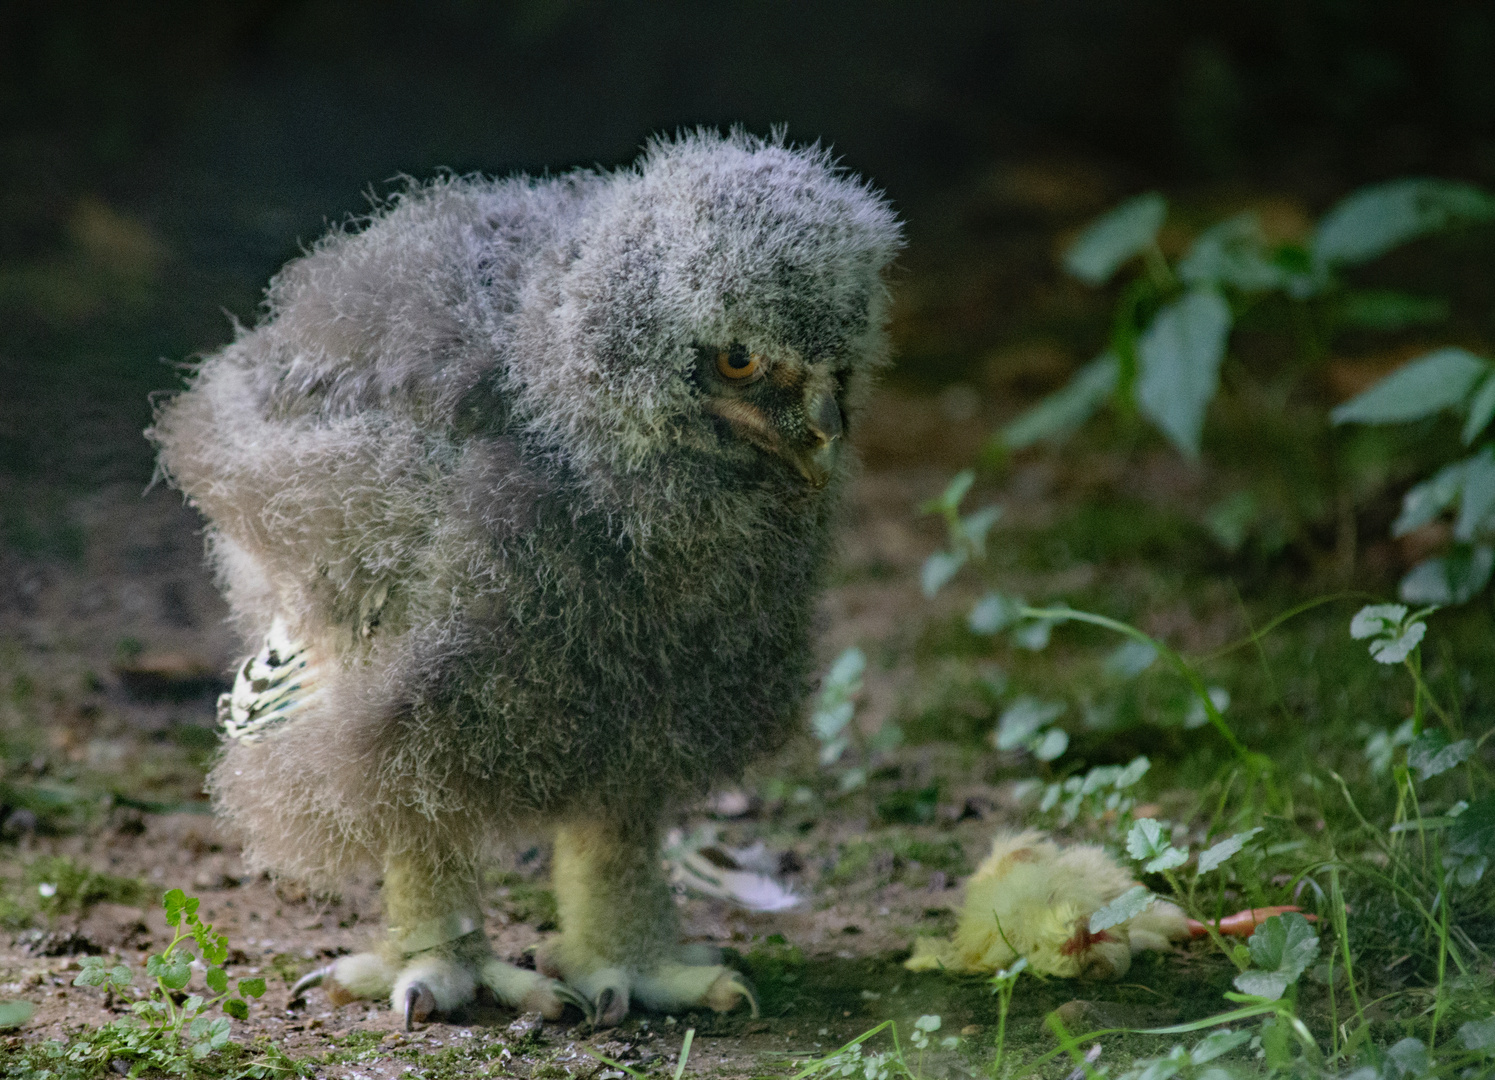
[(1032, 898), (524, 490)]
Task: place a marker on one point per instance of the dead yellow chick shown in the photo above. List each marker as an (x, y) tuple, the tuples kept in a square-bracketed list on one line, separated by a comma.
[(1032, 898)]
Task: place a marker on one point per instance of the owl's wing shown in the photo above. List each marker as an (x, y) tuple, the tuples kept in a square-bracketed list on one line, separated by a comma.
[(271, 688)]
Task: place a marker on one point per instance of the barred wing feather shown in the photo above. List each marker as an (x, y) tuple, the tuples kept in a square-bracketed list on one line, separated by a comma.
[(271, 688)]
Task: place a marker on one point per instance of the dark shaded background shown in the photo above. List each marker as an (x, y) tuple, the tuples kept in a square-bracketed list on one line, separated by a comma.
[(161, 160)]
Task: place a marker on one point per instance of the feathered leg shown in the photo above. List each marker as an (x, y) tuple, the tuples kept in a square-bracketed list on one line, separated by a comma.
[(619, 927), (436, 953)]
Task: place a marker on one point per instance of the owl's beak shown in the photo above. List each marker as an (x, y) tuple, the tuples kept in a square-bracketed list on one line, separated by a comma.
[(817, 461)]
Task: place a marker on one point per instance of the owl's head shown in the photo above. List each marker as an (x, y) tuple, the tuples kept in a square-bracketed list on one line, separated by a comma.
[(723, 297)]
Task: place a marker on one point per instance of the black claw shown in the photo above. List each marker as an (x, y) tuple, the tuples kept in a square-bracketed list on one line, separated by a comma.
[(603, 1004), (419, 1004)]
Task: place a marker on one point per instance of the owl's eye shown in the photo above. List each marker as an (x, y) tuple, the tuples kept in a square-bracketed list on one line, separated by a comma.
[(737, 364)]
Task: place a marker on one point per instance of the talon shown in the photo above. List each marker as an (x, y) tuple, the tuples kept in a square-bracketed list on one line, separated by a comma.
[(604, 1004), (728, 990), (569, 996), (310, 980), (419, 1004)]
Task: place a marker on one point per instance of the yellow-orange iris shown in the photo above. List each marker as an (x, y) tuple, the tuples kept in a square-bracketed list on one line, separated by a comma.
[(737, 366)]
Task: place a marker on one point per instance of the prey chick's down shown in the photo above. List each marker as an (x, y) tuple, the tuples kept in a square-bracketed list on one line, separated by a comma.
[(1032, 898), (523, 491)]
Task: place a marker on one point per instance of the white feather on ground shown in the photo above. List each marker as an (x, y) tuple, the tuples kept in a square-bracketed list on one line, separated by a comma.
[(1032, 898)]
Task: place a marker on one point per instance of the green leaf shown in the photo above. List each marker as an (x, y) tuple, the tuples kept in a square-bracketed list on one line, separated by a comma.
[(93, 974), (1427, 500), (1388, 310), (1130, 659), (1473, 831), (15, 1013), (174, 901), (1481, 410), (217, 980), (1477, 497), (1449, 579), (1022, 719), (1419, 388), (1409, 1058), (237, 1008), (1479, 1035), (1179, 359), (1063, 411), (1128, 905), (1230, 520), (1108, 242), (1224, 850), (1146, 840), (1431, 754), (1394, 648), (939, 568), (1050, 744), (992, 613), (974, 527), (1034, 634), (955, 491), (1217, 1043), (1375, 620), (193, 1005), (1282, 948), (174, 971), (1233, 253), (1373, 220)]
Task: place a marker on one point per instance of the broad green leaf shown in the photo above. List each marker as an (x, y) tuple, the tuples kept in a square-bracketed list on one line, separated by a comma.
[(1111, 240), (1479, 1034), (174, 971), (237, 1008), (1424, 502), (1376, 619), (845, 675), (1481, 410), (1022, 719), (1282, 948), (1217, 1043), (1422, 387), (1409, 1058), (1147, 840), (217, 980), (193, 1005), (1449, 579), (1033, 634), (949, 499), (93, 974), (15, 1013), (1477, 498), (1130, 659), (1373, 220), (1057, 415), (1197, 715), (1217, 855), (1232, 253), (830, 722), (174, 901), (1230, 520), (1387, 310), (992, 613), (1134, 771), (1431, 754), (939, 568), (974, 527), (1128, 905), (1051, 744), (1473, 831), (1396, 647), (1179, 359)]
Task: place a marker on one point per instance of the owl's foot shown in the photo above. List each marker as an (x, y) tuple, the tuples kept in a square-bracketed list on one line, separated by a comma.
[(439, 981), (669, 986)]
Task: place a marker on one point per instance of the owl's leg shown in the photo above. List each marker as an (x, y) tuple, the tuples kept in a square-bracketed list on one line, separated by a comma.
[(436, 954), (619, 926)]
